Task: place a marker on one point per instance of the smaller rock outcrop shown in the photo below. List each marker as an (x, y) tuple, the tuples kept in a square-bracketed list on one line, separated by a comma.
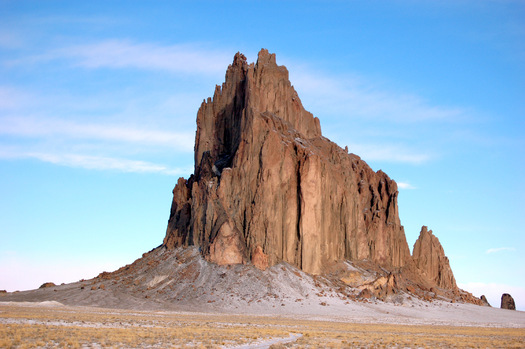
[(430, 259), (484, 301), (228, 247), (260, 259), (507, 302), (47, 284), (380, 288)]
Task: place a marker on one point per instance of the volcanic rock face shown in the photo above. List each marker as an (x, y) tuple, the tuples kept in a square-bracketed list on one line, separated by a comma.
[(266, 181), (268, 187), (507, 302), (430, 259)]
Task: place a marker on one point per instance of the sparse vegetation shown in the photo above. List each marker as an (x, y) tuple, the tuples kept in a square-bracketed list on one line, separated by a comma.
[(78, 327)]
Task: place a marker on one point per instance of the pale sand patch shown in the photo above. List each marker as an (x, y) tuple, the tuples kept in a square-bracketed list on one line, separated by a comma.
[(33, 304), (157, 280), (265, 344)]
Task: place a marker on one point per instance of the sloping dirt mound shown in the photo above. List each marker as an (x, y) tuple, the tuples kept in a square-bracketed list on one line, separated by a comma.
[(182, 280)]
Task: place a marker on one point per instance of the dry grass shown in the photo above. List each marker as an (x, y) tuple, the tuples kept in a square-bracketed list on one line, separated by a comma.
[(77, 327), (348, 335)]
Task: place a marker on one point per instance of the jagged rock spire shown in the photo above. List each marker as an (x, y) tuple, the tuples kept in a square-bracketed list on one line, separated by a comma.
[(247, 91), (430, 259)]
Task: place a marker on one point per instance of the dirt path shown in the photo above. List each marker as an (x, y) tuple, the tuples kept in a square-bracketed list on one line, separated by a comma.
[(267, 343)]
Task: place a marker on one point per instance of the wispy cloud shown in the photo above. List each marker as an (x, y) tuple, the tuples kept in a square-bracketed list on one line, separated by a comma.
[(390, 121), (34, 127), (106, 163), (117, 54), (11, 98), (500, 249), (405, 185), (10, 40), (358, 98), (136, 143), (92, 162), (93, 146)]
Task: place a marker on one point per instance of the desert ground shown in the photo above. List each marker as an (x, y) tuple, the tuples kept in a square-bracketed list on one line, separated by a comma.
[(53, 325)]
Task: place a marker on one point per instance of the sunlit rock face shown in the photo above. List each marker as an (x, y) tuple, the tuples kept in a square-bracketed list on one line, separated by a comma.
[(430, 259)]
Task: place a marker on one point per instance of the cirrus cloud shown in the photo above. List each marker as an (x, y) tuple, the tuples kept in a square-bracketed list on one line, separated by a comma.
[(360, 98), (93, 162), (405, 185), (500, 249), (49, 127), (120, 53)]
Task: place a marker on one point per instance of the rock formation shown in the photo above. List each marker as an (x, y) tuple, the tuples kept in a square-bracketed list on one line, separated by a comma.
[(268, 187), (484, 300), (430, 259), (266, 181), (507, 302)]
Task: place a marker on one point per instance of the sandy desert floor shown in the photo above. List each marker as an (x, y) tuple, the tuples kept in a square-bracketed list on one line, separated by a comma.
[(53, 325)]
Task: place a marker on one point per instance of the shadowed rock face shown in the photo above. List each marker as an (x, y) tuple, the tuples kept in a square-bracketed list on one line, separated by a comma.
[(268, 187), (430, 259), (507, 302)]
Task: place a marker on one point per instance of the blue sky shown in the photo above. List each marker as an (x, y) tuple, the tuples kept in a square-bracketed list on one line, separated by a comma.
[(98, 103)]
